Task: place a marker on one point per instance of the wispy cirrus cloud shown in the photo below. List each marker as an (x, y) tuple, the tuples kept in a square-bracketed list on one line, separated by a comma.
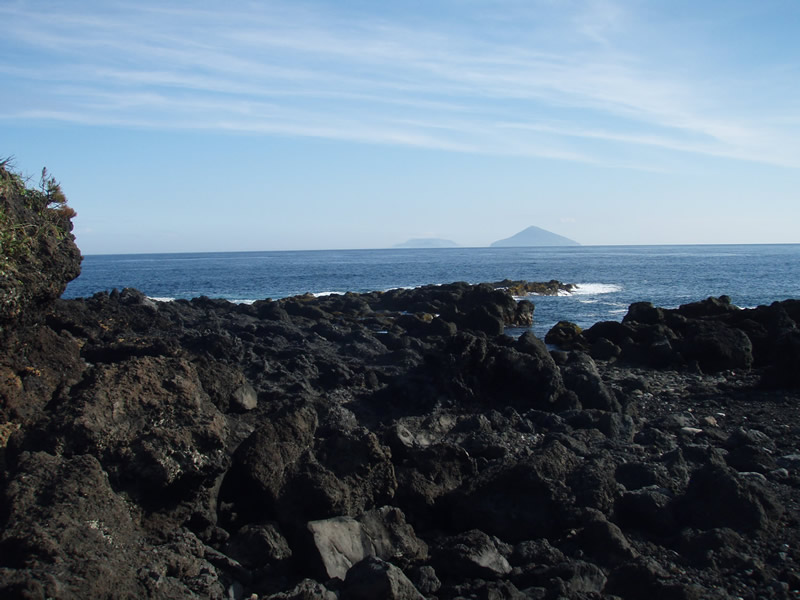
[(578, 90)]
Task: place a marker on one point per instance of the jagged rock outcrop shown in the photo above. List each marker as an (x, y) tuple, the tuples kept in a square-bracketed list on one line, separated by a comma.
[(38, 255), (712, 335)]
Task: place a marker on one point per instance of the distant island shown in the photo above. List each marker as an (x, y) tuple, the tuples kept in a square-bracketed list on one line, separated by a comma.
[(427, 243), (532, 236), (535, 236)]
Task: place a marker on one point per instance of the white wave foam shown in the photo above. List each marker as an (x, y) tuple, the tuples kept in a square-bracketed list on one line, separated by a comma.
[(232, 300), (533, 294), (596, 288), (322, 294)]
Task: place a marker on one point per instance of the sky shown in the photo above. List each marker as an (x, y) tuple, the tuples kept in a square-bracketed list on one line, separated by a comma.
[(189, 126)]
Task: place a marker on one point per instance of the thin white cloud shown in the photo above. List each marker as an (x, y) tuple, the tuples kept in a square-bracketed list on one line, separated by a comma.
[(600, 20), (289, 69)]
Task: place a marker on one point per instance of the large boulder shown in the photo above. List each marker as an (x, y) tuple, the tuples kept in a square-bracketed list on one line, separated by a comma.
[(472, 370), (266, 459), (392, 537), (92, 523), (375, 578), (330, 547), (259, 544), (69, 535), (41, 366), (710, 307), (619, 334), (523, 379), (645, 313), (150, 424), (516, 501), (717, 496), (487, 319), (784, 370), (648, 509), (350, 472), (717, 347), (429, 473), (471, 554), (477, 307), (336, 544), (566, 335), (581, 376)]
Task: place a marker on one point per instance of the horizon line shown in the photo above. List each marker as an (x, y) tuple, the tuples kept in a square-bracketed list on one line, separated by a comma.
[(391, 248)]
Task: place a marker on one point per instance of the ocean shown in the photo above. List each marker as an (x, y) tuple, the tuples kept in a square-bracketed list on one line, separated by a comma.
[(609, 278)]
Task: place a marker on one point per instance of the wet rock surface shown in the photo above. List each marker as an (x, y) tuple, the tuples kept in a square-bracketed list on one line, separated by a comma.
[(399, 445)]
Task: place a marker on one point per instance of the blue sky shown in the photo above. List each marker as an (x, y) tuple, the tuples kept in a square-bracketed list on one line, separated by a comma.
[(207, 126)]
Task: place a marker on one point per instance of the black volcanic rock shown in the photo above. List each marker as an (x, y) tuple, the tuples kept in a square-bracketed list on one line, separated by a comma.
[(581, 376), (469, 555), (749, 505), (516, 501), (716, 347), (565, 335), (219, 440), (38, 257), (376, 578)]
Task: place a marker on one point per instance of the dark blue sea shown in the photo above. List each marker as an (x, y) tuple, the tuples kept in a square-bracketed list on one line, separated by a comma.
[(609, 278)]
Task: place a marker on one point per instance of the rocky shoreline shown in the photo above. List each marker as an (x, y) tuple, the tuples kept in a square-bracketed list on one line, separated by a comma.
[(358, 446), (394, 445)]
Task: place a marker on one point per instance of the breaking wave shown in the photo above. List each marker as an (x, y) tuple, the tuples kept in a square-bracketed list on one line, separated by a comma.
[(585, 289)]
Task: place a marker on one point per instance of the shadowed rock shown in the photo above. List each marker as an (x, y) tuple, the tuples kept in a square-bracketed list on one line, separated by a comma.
[(375, 578)]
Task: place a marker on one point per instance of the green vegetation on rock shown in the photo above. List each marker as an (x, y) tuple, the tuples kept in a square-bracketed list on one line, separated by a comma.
[(35, 236)]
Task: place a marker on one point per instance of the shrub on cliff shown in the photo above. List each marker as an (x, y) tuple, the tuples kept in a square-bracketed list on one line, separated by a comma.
[(38, 256)]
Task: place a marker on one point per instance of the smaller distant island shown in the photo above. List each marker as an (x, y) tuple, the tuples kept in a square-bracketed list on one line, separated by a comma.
[(427, 243), (535, 236)]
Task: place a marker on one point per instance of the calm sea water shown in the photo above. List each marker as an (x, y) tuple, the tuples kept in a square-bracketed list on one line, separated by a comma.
[(609, 277)]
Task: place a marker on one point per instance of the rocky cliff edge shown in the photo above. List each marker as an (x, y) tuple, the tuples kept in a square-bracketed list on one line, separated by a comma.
[(38, 255)]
